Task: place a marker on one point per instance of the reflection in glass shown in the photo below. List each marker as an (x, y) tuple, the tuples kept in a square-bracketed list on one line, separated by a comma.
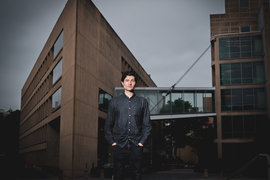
[(242, 73), (58, 45), (177, 102), (243, 99), (258, 72), (226, 127), (235, 73), (242, 126), (245, 47), (247, 72), (225, 73), (190, 98), (259, 98), (238, 126), (57, 71), (257, 46), (226, 100), (201, 102), (249, 126), (237, 99), (224, 48), (166, 104), (208, 102), (248, 97), (104, 100), (234, 48), (56, 99), (241, 47)]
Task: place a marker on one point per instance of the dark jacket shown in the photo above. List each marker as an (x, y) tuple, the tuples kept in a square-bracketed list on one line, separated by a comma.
[(130, 119)]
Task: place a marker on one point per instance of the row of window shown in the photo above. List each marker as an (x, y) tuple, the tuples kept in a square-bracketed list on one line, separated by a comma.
[(35, 99), (243, 99), (39, 75), (243, 126), (242, 73), (40, 114), (44, 89), (44, 67), (37, 137), (241, 47), (54, 101)]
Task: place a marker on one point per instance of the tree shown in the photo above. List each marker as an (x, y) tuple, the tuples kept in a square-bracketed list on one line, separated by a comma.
[(196, 132)]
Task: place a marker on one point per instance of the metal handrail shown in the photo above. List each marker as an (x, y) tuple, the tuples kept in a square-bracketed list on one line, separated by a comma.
[(251, 162)]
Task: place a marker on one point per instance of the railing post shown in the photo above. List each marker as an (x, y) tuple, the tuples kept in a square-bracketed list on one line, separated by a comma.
[(221, 174), (205, 173)]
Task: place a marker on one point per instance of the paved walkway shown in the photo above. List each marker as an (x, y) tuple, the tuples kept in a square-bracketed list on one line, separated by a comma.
[(174, 174)]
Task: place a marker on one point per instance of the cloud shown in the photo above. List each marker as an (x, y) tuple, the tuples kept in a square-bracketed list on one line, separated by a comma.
[(165, 36)]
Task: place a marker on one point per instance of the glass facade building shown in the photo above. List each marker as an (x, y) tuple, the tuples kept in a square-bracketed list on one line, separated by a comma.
[(239, 69)]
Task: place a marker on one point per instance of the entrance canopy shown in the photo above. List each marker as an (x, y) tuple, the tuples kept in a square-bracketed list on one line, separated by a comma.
[(180, 103)]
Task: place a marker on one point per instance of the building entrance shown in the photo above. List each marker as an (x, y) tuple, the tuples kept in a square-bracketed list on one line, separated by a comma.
[(102, 144)]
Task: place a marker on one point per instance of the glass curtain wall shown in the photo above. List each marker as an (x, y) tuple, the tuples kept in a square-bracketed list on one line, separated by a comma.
[(241, 47), (241, 126), (243, 99), (178, 102), (242, 73)]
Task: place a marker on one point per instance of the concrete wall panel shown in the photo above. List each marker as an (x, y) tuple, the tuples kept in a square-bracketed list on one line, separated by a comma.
[(67, 94), (86, 87), (87, 56), (66, 155), (108, 74), (85, 151), (88, 26), (66, 123), (109, 49), (68, 60), (86, 123)]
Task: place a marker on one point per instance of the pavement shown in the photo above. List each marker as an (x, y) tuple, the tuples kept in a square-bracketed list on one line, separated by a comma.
[(173, 174)]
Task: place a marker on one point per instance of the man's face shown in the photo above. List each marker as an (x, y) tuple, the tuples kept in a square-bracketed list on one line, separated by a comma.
[(129, 83)]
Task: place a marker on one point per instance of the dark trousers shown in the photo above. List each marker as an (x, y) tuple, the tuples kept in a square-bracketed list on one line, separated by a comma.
[(129, 154)]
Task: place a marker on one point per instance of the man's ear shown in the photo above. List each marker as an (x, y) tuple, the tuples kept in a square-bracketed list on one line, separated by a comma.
[(122, 83)]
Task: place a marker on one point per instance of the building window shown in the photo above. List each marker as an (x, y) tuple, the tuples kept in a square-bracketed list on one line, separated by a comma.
[(241, 47), (56, 99), (104, 100), (58, 45), (248, 99), (57, 71), (244, 3), (243, 126), (242, 73), (245, 28)]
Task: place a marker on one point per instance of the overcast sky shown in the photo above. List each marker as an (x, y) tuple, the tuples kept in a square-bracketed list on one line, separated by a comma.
[(165, 36)]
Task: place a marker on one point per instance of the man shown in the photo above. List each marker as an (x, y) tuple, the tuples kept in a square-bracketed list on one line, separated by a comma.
[(127, 114)]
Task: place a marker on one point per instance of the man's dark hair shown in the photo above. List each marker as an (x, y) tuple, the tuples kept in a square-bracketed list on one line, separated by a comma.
[(128, 73)]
